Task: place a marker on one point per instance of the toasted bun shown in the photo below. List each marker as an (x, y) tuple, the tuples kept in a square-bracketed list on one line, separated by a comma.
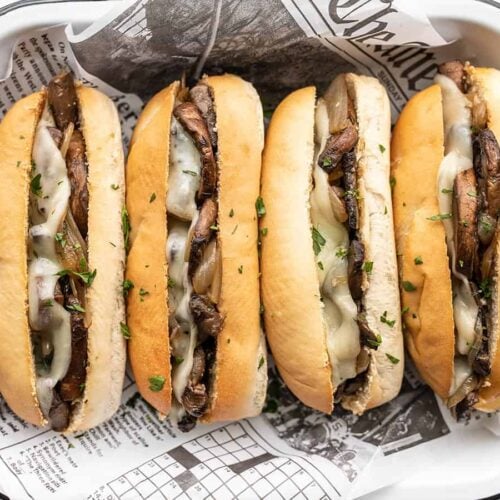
[(240, 376), (238, 388), (295, 327), (17, 368), (417, 151), (290, 289), (147, 173), (376, 229), (105, 309), (488, 81)]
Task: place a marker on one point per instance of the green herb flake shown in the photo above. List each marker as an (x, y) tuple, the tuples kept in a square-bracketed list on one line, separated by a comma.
[(127, 285), (75, 307), (418, 260), (388, 322), (240, 269), (374, 343), (368, 266), (59, 237), (190, 172), (405, 310), (260, 207), (392, 181), (461, 263), (392, 358), (156, 383), (485, 287), (381, 148), (18, 164), (114, 187), (48, 303), (408, 286), (385, 210), (264, 231), (261, 363), (326, 162), (143, 293), (472, 194), (439, 217), (320, 265), (446, 191), (214, 227), (152, 197), (36, 186), (235, 228), (341, 252), (318, 241), (125, 330), (231, 213), (178, 360), (125, 227), (171, 282)]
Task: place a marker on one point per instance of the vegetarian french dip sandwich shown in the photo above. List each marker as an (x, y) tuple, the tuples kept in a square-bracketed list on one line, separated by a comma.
[(196, 347), (446, 165), (329, 276), (62, 358)]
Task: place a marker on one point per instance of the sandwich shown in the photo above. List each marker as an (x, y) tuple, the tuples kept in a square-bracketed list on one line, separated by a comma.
[(329, 275), (62, 254), (196, 346), (446, 165)]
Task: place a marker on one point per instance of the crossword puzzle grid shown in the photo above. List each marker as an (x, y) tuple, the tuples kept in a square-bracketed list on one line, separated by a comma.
[(223, 464)]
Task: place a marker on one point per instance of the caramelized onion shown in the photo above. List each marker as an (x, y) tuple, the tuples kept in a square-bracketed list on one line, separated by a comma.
[(337, 203), (68, 132), (204, 274), (337, 100), (363, 360), (214, 293), (469, 384)]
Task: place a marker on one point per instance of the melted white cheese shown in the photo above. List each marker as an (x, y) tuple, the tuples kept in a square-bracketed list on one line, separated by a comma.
[(458, 158), (46, 317), (340, 311), (183, 174)]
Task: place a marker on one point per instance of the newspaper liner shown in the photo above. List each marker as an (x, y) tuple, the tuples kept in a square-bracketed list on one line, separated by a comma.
[(290, 450)]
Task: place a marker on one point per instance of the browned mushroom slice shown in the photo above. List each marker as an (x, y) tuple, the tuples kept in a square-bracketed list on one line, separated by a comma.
[(198, 369), (77, 173), (351, 193), (191, 119), (368, 337), (201, 96), (203, 229), (355, 260), (336, 145), (465, 210), (455, 70), (486, 154), (62, 100), (187, 423), (195, 399), (58, 413), (206, 317)]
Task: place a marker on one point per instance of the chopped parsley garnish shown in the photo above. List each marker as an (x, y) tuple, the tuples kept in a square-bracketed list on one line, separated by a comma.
[(485, 287), (385, 210), (381, 147), (461, 263), (125, 227), (75, 307), (446, 191), (374, 343), (190, 172), (405, 310), (318, 241), (368, 266), (152, 197), (408, 286), (127, 286), (86, 276), (48, 303), (353, 193), (261, 362), (125, 330), (464, 223), (263, 231), (36, 186), (341, 252), (392, 358), (231, 213), (178, 360), (326, 162), (114, 187), (472, 194), (214, 227), (485, 225), (18, 164), (156, 383), (439, 217), (260, 207), (320, 265), (143, 293), (171, 282), (418, 260), (59, 237), (388, 322), (392, 181), (240, 269), (234, 230)]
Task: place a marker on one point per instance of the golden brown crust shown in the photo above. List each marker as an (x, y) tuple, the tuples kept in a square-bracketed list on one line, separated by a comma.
[(417, 151), (240, 142), (17, 370), (100, 127), (147, 173), (290, 290)]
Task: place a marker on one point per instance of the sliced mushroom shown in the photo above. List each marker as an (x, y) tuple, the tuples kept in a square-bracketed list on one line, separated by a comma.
[(186, 423), (207, 318), (77, 173), (62, 100), (195, 400), (455, 70), (466, 388), (201, 95), (486, 154), (191, 119), (202, 233), (58, 413), (351, 194), (355, 259), (368, 337), (198, 369), (465, 210), (336, 146)]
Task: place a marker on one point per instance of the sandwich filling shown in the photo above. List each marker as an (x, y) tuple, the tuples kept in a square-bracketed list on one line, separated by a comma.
[(339, 251), (468, 190), (58, 272), (193, 253)]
